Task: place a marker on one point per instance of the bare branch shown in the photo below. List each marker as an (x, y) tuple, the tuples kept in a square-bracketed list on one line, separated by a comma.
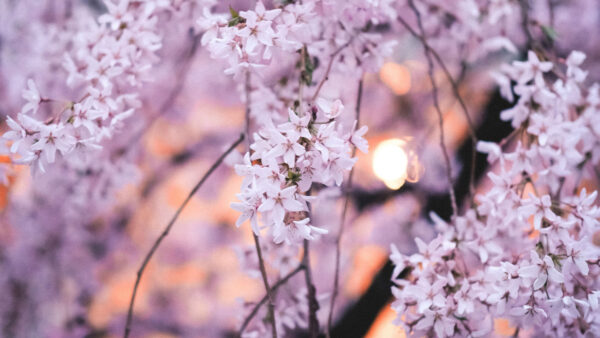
[(455, 90), (184, 63), (247, 120), (165, 232), (313, 305), (343, 217), (266, 297), (263, 273), (328, 70), (524, 4), (438, 109)]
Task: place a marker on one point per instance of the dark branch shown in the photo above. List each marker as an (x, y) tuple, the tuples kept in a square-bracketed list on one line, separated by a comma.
[(266, 297), (343, 218), (168, 228)]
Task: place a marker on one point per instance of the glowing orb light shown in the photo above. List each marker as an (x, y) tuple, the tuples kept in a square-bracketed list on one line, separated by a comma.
[(394, 162), (390, 162)]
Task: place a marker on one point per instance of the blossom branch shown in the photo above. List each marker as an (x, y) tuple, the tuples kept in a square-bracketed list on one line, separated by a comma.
[(436, 104), (343, 218), (165, 232)]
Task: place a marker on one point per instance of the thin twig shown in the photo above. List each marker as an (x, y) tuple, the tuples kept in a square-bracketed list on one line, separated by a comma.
[(165, 232), (247, 122), (265, 280), (509, 137), (455, 90), (303, 55), (328, 70), (551, 10), (184, 69), (436, 103), (313, 305), (524, 4), (343, 218), (266, 297), (261, 261)]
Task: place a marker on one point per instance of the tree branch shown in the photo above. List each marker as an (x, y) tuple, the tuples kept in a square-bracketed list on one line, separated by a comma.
[(343, 218), (184, 63), (313, 305), (436, 104), (266, 297), (168, 228), (261, 261), (263, 273), (328, 70), (454, 85)]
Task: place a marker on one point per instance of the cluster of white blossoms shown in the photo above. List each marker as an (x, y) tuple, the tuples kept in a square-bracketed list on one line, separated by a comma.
[(291, 151), (284, 163), (107, 60), (248, 39), (529, 250)]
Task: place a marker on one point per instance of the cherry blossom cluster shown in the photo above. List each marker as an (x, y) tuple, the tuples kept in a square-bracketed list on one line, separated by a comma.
[(108, 59), (295, 147), (301, 140), (248, 39), (528, 251), (63, 234), (466, 29), (285, 162)]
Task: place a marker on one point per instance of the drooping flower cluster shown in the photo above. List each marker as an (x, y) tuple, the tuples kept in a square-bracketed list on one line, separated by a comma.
[(248, 39), (285, 162), (293, 148), (63, 234), (529, 251), (467, 29), (107, 60)]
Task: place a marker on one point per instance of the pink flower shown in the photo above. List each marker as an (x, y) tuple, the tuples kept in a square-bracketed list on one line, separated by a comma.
[(532, 69), (295, 231), (329, 108), (542, 270), (540, 208), (251, 200), (357, 139), (278, 202), (32, 95), (296, 127)]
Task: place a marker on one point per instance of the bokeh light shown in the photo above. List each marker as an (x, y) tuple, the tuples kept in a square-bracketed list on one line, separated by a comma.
[(396, 77), (394, 162), (390, 163)]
